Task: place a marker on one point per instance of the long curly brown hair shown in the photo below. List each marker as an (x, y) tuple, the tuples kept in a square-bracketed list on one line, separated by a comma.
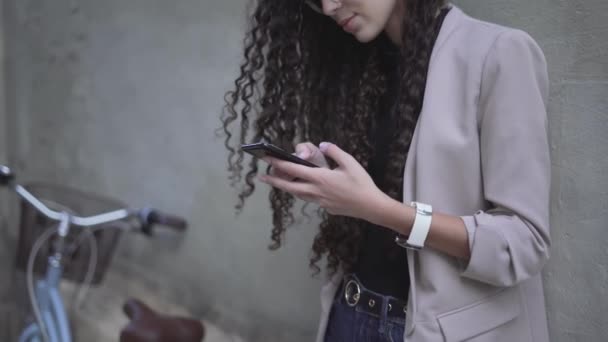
[(304, 79)]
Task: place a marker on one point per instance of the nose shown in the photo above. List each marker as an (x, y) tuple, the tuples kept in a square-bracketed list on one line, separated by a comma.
[(330, 6)]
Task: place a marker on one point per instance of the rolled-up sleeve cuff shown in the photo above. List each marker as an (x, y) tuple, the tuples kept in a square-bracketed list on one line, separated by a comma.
[(469, 223), (489, 250)]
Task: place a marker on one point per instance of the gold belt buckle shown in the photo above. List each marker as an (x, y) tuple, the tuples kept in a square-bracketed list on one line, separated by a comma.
[(352, 293)]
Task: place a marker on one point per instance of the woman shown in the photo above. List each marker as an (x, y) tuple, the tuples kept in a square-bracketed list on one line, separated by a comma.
[(430, 130)]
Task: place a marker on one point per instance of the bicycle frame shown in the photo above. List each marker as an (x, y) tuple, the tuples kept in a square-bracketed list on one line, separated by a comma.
[(52, 324), (51, 306)]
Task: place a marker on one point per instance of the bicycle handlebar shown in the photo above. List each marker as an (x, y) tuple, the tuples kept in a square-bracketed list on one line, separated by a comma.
[(167, 220), (147, 216), (6, 175)]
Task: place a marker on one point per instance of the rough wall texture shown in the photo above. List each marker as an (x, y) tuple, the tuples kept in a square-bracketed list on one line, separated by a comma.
[(3, 121), (121, 97), (3, 137), (5, 252)]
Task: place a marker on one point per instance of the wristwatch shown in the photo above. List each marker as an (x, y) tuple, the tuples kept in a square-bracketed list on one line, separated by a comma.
[(420, 229)]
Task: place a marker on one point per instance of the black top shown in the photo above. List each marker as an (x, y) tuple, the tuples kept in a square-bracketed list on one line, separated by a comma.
[(382, 264)]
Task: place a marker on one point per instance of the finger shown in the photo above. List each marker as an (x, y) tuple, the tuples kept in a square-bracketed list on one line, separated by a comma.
[(281, 174), (296, 188), (305, 150), (274, 172), (306, 173), (306, 198), (284, 175), (336, 153), (313, 154)]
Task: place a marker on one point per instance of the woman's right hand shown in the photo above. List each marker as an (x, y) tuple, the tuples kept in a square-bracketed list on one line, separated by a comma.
[(309, 152)]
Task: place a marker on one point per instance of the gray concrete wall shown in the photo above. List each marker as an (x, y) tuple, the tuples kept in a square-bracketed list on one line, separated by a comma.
[(121, 98), (4, 235), (7, 236), (3, 117), (3, 137)]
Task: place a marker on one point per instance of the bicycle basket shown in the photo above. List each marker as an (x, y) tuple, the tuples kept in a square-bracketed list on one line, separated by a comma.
[(33, 224)]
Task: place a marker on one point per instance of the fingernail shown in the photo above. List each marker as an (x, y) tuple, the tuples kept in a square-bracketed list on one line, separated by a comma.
[(262, 178), (324, 146), (303, 154)]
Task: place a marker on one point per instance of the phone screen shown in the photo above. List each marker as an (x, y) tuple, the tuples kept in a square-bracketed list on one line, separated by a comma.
[(261, 150)]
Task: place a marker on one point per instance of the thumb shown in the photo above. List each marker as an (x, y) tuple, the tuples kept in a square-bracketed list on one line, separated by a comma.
[(305, 151), (337, 154)]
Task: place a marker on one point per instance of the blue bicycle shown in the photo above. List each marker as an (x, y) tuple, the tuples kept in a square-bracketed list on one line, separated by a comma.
[(51, 321)]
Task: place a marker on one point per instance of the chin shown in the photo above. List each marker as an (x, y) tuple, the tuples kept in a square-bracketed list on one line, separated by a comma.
[(366, 36)]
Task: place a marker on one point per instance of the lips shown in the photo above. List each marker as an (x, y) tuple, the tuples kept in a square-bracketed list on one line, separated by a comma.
[(345, 22)]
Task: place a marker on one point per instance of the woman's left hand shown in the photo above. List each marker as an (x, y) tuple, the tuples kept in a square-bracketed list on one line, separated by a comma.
[(347, 190)]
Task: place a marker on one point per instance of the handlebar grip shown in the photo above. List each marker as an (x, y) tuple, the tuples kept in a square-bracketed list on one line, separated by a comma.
[(6, 175), (170, 221)]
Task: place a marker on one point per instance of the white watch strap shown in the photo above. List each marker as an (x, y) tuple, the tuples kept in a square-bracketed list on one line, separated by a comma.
[(422, 225)]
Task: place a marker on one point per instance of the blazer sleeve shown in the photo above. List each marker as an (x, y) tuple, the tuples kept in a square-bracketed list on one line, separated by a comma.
[(510, 242)]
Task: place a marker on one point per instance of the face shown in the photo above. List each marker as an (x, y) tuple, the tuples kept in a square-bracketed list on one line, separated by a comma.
[(364, 19)]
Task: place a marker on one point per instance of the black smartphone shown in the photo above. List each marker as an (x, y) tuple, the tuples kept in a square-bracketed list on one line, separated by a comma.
[(262, 149)]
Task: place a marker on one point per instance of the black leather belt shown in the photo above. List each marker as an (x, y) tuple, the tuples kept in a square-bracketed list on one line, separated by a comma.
[(358, 297)]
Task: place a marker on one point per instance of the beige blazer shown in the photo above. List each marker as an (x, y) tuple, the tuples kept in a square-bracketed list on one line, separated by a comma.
[(480, 151)]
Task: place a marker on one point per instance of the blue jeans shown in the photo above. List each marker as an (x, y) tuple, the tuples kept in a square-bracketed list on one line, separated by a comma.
[(349, 324)]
